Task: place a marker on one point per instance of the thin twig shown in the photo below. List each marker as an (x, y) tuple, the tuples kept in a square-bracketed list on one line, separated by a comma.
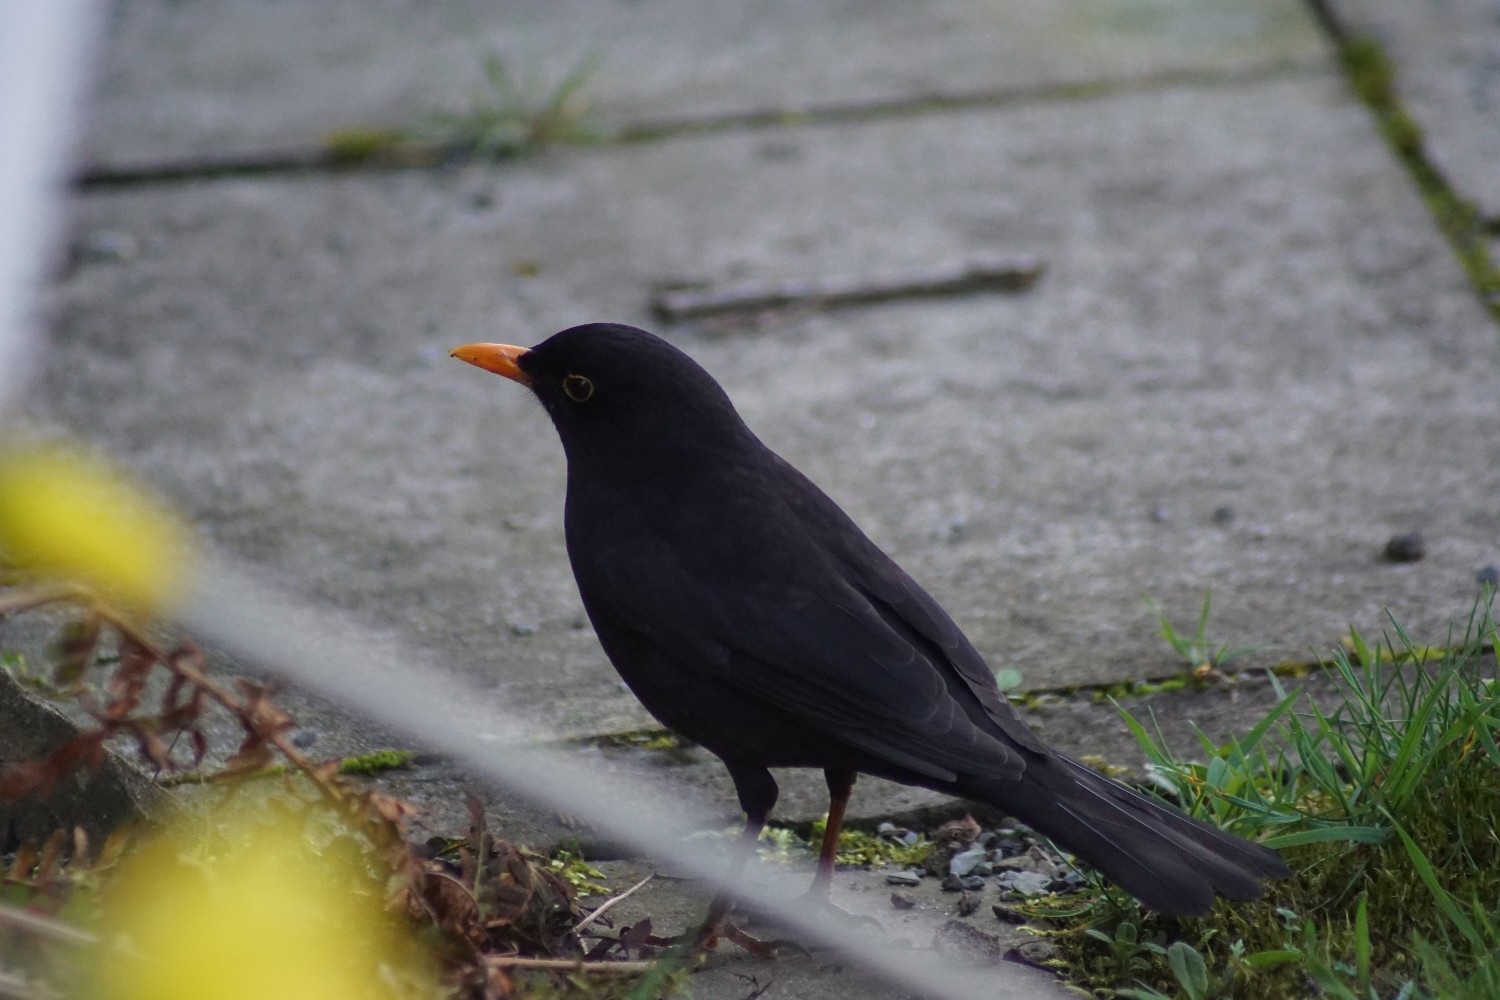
[(1013, 274), (577, 965), (35, 597), (45, 927), (176, 662), (610, 902)]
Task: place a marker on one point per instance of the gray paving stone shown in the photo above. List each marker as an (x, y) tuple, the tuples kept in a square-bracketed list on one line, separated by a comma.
[(1275, 330), (972, 943), (1447, 58), (1251, 360), (226, 77)]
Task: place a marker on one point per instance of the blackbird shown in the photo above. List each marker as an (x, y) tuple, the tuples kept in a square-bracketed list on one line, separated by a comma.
[(748, 613)]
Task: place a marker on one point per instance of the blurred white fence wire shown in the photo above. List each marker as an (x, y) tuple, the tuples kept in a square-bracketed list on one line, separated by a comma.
[(42, 49), (396, 688)]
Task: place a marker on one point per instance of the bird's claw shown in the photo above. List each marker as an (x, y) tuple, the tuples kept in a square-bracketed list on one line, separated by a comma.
[(755, 946), (817, 900), (706, 938)]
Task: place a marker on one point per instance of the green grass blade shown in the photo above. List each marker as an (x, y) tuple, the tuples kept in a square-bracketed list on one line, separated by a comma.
[(1329, 835), (1445, 901)]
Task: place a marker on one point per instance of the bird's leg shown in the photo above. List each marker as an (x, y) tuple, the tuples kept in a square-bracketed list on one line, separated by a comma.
[(840, 787), (718, 910), (757, 793)]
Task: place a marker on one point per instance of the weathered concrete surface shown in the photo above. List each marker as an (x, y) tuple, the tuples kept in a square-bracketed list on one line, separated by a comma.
[(1276, 331), (1447, 58), (227, 77), (973, 943), (1251, 361)]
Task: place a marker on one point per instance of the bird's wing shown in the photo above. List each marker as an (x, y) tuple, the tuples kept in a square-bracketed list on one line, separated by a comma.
[(902, 602), (782, 620)]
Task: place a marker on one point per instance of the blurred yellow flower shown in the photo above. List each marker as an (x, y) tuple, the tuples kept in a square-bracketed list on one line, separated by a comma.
[(65, 515), (254, 916)]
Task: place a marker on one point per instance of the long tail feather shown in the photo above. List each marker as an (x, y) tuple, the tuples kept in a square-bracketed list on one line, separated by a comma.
[(1174, 864)]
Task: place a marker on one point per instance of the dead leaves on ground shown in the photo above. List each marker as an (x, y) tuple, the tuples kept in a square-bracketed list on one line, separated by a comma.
[(489, 907)]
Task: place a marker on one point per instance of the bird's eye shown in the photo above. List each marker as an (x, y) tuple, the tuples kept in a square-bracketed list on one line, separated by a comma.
[(578, 388)]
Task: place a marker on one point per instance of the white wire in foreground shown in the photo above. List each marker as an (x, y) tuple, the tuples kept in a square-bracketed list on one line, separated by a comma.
[(398, 689)]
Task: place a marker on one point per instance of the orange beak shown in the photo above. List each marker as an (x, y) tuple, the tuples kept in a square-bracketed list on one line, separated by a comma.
[(498, 358)]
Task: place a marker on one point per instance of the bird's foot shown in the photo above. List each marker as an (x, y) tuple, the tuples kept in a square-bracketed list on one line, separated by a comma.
[(813, 905), (816, 901), (758, 947), (707, 937)]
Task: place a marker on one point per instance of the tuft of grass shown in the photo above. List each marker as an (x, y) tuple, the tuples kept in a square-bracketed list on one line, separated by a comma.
[(509, 117), (377, 762), (856, 847), (859, 847), (640, 739), (571, 867), (1201, 654), (1386, 804)]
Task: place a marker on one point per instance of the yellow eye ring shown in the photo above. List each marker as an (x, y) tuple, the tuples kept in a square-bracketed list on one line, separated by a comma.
[(578, 388)]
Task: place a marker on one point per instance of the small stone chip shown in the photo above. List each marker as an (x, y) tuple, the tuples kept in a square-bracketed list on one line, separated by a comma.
[(1406, 548), (1009, 914), (1025, 883)]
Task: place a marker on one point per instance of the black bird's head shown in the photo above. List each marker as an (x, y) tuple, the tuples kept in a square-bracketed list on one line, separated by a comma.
[(617, 393)]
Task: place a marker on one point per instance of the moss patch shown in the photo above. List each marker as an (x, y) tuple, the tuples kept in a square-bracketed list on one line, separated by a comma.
[(1372, 77)]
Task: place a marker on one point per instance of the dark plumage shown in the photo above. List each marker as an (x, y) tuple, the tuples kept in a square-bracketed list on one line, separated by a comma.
[(750, 614)]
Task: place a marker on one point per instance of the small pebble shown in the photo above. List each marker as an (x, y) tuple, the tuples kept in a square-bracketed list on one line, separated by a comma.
[(960, 831), (1025, 883), (953, 884), (304, 738), (967, 904), (1009, 914), (964, 862), (1406, 548), (1036, 952), (986, 839), (1223, 515), (901, 902), (902, 878), (983, 868), (972, 883)]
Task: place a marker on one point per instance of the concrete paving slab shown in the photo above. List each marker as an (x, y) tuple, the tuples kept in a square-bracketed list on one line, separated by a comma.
[(1244, 376), (1251, 362), (974, 943), (229, 77), (1447, 58)]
